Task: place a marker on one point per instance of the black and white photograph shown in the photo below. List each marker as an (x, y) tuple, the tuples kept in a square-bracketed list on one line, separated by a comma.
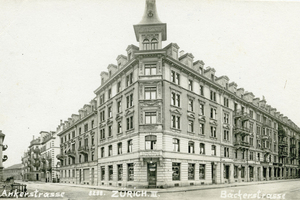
[(150, 99)]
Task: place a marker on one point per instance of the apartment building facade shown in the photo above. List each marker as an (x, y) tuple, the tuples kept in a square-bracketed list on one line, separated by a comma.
[(165, 120), (78, 141)]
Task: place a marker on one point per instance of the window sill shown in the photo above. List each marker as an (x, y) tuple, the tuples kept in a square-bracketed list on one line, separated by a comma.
[(201, 135), (119, 134), (213, 138)]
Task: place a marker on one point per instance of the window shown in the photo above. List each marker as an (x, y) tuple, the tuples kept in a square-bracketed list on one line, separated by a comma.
[(212, 77), (102, 98), (92, 126), (102, 152), (251, 127), (79, 131), (119, 148), (202, 148), (150, 92), (175, 77), (213, 150), (150, 118), (191, 171), (258, 156), (102, 116), (201, 110), (119, 106), (243, 172), (109, 112), (120, 172), (102, 134), (201, 171), (175, 121), (129, 79), (146, 44), (258, 117), (150, 141), (86, 127), (150, 69), (235, 153), (129, 123), (109, 93), (226, 152), (213, 131), (119, 86), (226, 118), (130, 172), (213, 113), (92, 141), (258, 130), (201, 90), (154, 44), (190, 85), (110, 131), (226, 102), (129, 143), (129, 100), (212, 95), (191, 148), (176, 145), (251, 155), (102, 173), (226, 134), (251, 114), (176, 171), (110, 172), (191, 126), (235, 172), (110, 150), (201, 128), (251, 141), (119, 127), (175, 99), (73, 133), (191, 105)]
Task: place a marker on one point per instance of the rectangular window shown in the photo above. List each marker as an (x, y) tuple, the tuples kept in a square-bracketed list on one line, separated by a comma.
[(251, 155), (251, 127), (226, 134), (109, 112), (102, 133), (129, 123), (102, 116), (226, 102), (119, 86), (190, 85), (150, 69), (191, 171), (175, 99), (119, 148), (201, 90), (129, 79), (212, 95), (201, 110), (175, 121), (213, 113), (150, 141), (110, 150), (226, 118), (102, 98), (119, 106), (119, 127), (213, 131), (176, 145), (150, 118), (73, 133), (176, 171), (110, 172), (150, 92), (201, 171), (102, 173), (201, 128), (129, 100), (191, 147), (110, 131), (175, 77), (130, 172), (191, 105), (202, 148), (86, 127), (243, 172), (120, 172), (92, 124), (129, 143), (109, 93), (191, 126), (226, 152), (213, 150)]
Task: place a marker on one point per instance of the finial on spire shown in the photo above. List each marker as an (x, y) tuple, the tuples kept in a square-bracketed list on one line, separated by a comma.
[(150, 14)]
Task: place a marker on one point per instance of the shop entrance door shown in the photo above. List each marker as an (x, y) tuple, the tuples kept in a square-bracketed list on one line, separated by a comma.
[(152, 168)]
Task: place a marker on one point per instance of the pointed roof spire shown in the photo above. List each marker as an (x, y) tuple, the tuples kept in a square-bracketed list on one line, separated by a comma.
[(150, 14)]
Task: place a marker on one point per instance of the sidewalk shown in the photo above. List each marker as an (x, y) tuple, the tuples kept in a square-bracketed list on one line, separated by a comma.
[(171, 189)]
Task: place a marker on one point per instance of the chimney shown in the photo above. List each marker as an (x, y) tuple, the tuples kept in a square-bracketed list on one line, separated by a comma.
[(181, 53)]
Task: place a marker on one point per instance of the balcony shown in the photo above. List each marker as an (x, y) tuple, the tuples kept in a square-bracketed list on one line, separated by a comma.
[(282, 154), (60, 157), (241, 130), (265, 137), (242, 144), (83, 149), (71, 153), (266, 150), (242, 115), (282, 143)]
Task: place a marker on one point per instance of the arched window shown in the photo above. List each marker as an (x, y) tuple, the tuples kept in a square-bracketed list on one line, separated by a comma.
[(202, 148), (191, 148), (150, 142), (154, 44), (146, 44)]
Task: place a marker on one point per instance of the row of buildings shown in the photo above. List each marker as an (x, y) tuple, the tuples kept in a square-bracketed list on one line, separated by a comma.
[(162, 119)]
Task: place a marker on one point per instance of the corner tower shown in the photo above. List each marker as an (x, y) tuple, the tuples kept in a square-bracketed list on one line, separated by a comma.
[(150, 32)]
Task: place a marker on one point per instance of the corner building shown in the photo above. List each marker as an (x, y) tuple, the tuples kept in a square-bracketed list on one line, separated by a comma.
[(165, 121)]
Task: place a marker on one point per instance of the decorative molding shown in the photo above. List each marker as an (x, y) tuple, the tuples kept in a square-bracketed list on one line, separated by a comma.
[(175, 111)]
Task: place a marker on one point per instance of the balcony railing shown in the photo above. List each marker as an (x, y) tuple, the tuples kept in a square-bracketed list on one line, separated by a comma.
[(265, 137), (60, 156), (71, 153), (242, 114), (282, 143), (83, 149), (283, 153), (242, 144), (241, 130)]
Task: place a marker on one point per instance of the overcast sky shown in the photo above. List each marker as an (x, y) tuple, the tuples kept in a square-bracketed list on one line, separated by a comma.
[(53, 51)]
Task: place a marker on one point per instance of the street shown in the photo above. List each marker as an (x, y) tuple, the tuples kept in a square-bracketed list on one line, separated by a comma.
[(279, 190)]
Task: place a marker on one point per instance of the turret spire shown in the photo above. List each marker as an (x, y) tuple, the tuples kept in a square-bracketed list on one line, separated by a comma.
[(150, 14)]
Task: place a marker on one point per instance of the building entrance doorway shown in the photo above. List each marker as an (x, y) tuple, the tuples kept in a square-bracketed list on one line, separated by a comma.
[(37, 177), (213, 173), (152, 170)]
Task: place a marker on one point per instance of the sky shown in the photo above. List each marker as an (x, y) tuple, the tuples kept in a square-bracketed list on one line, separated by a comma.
[(53, 51)]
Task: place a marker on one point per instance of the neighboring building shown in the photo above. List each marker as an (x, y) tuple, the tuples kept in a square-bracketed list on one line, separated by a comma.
[(14, 171), (3, 158), (165, 120), (78, 142), (49, 149)]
